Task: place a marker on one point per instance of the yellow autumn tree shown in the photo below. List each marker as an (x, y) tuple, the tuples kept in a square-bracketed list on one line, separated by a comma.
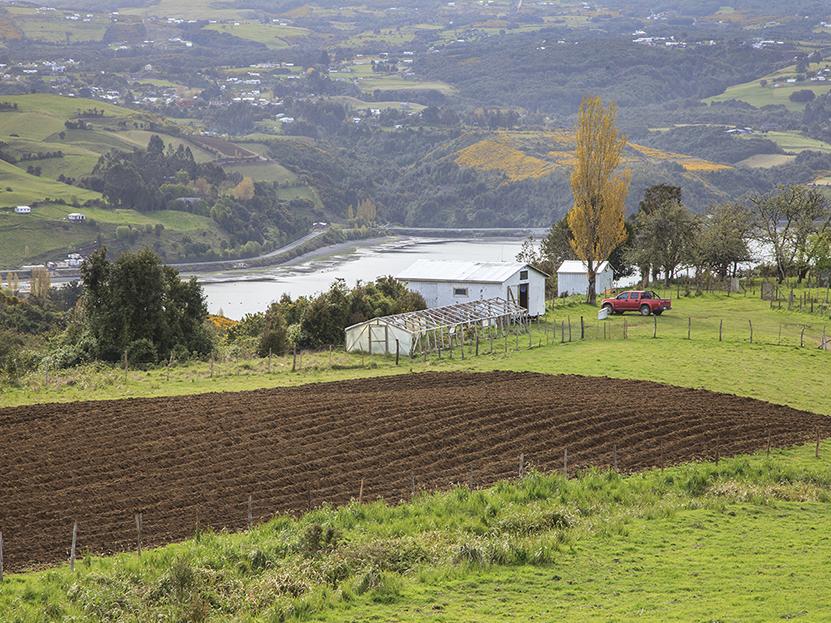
[(596, 218), (367, 210), (244, 190), (41, 282)]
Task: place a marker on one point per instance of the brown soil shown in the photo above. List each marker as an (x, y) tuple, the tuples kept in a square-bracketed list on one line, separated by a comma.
[(195, 459)]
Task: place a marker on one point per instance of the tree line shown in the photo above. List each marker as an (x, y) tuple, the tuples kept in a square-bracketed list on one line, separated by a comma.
[(790, 225)]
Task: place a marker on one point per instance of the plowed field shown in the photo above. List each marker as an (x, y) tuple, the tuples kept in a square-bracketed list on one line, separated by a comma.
[(188, 460)]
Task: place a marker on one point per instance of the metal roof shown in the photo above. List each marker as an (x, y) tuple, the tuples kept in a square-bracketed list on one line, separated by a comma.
[(461, 271), (580, 268)]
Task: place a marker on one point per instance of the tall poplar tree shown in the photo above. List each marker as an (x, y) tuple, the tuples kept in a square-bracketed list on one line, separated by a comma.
[(596, 219)]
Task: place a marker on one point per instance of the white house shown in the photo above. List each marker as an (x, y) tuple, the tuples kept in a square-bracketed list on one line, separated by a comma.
[(75, 217), (573, 278), (444, 283), (23, 210)]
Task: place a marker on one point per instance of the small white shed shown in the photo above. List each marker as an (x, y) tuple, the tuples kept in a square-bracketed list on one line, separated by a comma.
[(444, 283), (76, 217), (23, 210), (573, 278)]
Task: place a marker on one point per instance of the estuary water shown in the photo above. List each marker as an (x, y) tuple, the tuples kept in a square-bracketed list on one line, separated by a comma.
[(239, 292)]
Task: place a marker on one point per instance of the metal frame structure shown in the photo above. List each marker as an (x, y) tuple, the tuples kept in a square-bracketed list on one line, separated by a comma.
[(443, 328)]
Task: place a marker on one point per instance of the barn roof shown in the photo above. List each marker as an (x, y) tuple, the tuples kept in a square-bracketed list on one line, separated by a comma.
[(459, 271), (576, 267)]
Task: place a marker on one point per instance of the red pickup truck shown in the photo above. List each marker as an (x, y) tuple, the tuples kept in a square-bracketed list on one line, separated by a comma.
[(644, 301)]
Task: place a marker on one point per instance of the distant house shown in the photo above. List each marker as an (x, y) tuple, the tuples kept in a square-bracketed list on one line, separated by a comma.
[(573, 278), (23, 210), (76, 217), (444, 283)]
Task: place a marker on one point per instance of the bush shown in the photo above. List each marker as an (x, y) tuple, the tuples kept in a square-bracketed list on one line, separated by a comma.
[(274, 336), (803, 95), (141, 352)]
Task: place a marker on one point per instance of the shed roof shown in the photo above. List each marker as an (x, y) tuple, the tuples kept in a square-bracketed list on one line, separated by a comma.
[(456, 271), (578, 267)]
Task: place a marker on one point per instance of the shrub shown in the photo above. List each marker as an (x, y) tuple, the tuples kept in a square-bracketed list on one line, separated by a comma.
[(803, 95), (141, 351)]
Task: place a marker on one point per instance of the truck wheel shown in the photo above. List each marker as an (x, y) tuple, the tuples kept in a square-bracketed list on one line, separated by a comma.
[(645, 311), (608, 307)]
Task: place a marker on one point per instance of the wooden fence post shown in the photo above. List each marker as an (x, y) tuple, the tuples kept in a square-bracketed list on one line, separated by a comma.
[(802, 337), (562, 331), (750, 324), (294, 358), (397, 350), (139, 525), (582, 329), (477, 343), (689, 328), (625, 330), (72, 548), (361, 492), (569, 327), (654, 326), (720, 328)]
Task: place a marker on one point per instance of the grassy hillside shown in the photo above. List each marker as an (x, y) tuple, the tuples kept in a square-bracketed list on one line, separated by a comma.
[(17, 187), (533, 155), (38, 126), (46, 235), (776, 91), (275, 36)]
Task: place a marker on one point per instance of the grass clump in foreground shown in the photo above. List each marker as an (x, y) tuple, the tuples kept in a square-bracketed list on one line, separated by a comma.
[(745, 539)]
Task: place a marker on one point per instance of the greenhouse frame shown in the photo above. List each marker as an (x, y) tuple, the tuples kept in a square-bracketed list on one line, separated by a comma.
[(438, 329)]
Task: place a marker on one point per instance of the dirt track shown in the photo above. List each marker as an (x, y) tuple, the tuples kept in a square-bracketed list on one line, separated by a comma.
[(197, 458)]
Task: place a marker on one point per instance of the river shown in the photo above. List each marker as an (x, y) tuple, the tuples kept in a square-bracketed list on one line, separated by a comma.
[(239, 292)]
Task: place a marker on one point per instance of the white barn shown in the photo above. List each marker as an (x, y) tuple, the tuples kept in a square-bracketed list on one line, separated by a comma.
[(23, 210), (444, 283), (573, 278)]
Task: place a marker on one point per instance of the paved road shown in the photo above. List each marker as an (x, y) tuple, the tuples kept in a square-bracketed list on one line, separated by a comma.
[(220, 264)]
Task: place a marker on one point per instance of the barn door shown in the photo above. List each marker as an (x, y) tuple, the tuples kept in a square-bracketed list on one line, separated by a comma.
[(523, 296)]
